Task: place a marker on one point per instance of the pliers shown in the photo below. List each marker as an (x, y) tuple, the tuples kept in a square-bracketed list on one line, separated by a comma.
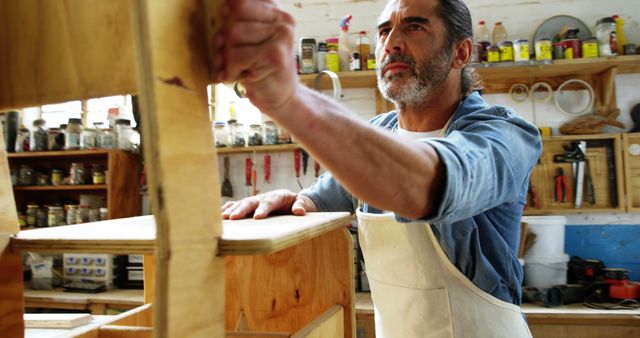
[(562, 193)]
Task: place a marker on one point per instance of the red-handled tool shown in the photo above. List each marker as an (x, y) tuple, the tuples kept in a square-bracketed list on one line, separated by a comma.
[(267, 168), (316, 168), (254, 182), (296, 163), (247, 174)]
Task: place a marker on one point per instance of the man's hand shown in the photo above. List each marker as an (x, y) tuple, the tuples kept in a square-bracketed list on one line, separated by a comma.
[(262, 205), (256, 47)]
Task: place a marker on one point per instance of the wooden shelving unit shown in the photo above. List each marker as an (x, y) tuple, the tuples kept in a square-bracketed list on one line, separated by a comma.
[(121, 190), (630, 150), (259, 149), (605, 165), (61, 187), (507, 72)]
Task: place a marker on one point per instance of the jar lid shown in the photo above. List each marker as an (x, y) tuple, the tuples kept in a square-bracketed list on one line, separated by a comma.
[(74, 120), (39, 122), (521, 41), (591, 38), (255, 126), (125, 122), (543, 40), (505, 43), (103, 209), (307, 40), (607, 19), (63, 126), (332, 40)]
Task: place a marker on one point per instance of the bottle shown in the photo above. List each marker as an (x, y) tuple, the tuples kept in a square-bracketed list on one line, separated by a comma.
[(499, 33), (72, 134), (355, 62), (607, 37), (333, 58), (622, 40), (344, 48), (39, 136), (307, 55), (123, 134), (483, 38), (362, 47), (322, 56)]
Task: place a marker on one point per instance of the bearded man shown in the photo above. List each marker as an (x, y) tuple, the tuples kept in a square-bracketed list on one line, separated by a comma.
[(438, 185)]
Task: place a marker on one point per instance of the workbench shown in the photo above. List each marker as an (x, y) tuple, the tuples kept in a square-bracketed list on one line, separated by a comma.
[(96, 303), (570, 321)]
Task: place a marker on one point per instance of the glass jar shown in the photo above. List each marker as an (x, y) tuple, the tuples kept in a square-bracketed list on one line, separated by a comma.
[(14, 177), (55, 216), (26, 175), (72, 213), (94, 215), (72, 134), (270, 133), (606, 34), (22, 140), (493, 54), (104, 214), (32, 214), (43, 179), (221, 134), (97, 174), (506, 51), (107, 138), (88, 139), (39, 136), (83, 214), (42, 218), (123, 134), (255, 135), (56, 177), (77, 173), (238, 134), (52, 139)]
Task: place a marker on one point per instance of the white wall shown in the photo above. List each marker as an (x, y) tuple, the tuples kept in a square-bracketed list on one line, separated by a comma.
[(319, 19)]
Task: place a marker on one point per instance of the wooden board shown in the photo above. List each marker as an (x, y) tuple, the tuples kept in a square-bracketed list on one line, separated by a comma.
[(173, 70), (259, 149), (286, 290), (632, 171), (138, 235), (96, 303), (329, 324), (56, 320), (123, 198), (64, 50), (501, 77), (250, 237), (544, 173), (121, 236), (8, 215), (11, 301)]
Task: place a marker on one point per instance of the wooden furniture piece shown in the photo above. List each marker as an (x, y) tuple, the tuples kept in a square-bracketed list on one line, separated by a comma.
[(96, 303), (159, 51), (605, 166), (282, 274), (121, 189), (631, 152)]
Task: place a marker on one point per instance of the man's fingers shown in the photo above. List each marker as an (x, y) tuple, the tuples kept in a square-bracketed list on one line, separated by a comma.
[(243, 209), (262, 11), (250, 33), (302, 205)]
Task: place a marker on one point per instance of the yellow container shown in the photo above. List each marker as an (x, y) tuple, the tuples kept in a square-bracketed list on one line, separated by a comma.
[(333, 61), (590, 48), (493, 54), (543, 50), (506, 51)]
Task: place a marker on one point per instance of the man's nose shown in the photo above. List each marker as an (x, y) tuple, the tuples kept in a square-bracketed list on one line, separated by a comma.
[(395, 42)]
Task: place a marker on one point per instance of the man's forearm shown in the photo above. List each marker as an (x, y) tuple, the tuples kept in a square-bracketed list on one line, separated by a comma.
[(385, 170)]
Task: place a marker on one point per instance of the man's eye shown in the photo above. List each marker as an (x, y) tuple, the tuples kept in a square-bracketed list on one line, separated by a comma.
[(383, 31), (414, 28)]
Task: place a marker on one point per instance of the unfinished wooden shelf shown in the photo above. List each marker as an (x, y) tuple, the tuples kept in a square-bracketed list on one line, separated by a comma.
[(259, 149)]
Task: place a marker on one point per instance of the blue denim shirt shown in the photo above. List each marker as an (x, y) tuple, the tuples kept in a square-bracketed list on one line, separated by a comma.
[(489, 153)]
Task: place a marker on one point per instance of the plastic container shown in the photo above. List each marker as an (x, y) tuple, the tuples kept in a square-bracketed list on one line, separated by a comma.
[(72, 134), (363, 47), (549, 231), (321, 59), (545, 272), (483, 38), (622, 40), (607, 38), (39, 136), (499, 33), (308, 55), (344, 47)]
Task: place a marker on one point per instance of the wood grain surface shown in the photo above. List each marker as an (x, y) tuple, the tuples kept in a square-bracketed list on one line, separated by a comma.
[(286, 290), (11, 299), (171, 42), (64, 50)]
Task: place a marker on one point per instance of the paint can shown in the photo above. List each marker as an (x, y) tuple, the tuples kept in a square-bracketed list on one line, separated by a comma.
[(521, 50), (543, 50), (506, 51), (493, 54), (572, 48), (590, 47)]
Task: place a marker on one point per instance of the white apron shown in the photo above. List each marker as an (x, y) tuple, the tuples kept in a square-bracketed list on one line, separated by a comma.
[(418, 292)]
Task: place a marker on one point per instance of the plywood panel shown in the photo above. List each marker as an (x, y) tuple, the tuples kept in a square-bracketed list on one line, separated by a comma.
[(64, 50), (329, 324), (632, 171), (11, 301), (171, 53), (8, 215), (284, 291)]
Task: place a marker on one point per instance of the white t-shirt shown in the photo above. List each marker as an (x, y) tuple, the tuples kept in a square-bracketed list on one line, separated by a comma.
[(420, 135)]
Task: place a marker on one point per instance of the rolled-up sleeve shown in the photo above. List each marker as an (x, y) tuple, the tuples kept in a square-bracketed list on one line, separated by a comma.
[(488, 156), (329, 195)]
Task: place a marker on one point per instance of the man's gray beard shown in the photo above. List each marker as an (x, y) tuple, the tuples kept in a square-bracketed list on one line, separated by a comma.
[(416, 88)]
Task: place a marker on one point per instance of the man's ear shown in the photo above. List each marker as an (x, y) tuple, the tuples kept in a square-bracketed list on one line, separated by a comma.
[(462, 53)]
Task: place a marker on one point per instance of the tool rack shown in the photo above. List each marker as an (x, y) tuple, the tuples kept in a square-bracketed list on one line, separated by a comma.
[(280, 277)]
